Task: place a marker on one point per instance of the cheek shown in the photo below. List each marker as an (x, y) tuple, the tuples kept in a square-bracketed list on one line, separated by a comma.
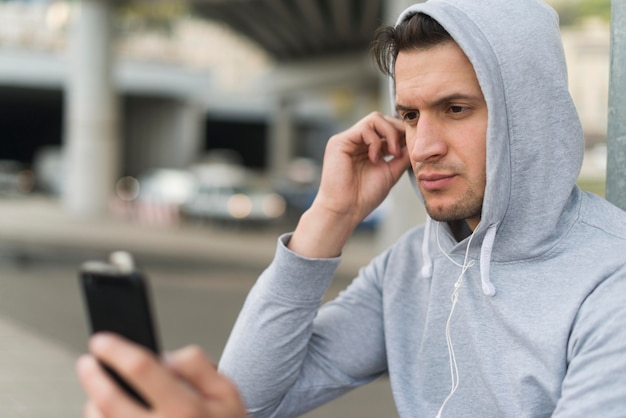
[(473, 149), (410, 137), (480, 161)]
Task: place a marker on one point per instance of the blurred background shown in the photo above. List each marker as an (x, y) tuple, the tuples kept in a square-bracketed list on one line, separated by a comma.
[(191, 132)]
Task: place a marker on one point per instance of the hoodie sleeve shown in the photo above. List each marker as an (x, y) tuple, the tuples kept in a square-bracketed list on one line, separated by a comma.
[(288, 356), (595, 382)]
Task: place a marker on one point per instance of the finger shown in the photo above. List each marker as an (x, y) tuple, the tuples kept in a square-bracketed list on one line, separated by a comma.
[(379, 148), (382, 136), (398, 165), (106, 397), (91, 411), (192, 365), (374, 145), (395, 121), (398, 143), (391, 130), (142, 370)]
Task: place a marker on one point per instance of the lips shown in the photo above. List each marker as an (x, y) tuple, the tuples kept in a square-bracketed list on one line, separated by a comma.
[(435, 181)]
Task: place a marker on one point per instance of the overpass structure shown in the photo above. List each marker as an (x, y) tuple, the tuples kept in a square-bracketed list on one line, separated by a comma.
[(314, 37), (301, 29), (316, 45)]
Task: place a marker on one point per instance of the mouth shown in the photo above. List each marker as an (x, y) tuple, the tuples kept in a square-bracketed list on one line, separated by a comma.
[(435, 181)]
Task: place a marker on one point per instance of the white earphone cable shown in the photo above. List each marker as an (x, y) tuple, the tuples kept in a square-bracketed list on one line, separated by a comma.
[(454, 369)]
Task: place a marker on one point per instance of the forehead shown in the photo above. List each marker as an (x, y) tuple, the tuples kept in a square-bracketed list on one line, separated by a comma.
[(427, 74)]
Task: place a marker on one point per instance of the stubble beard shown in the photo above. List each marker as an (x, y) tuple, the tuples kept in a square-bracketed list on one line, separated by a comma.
[(467, 206)]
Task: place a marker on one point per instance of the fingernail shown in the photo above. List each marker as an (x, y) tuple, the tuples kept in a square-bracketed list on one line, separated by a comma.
[(99, 340), (84, 363)]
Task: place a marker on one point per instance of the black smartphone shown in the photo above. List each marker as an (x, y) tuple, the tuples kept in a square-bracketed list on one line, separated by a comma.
[(117, 299)]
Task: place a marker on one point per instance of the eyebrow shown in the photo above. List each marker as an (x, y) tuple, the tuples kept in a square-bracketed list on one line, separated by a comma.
[(445, 99)]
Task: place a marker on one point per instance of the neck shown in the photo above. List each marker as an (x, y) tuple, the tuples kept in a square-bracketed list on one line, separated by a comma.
[(460, 229)]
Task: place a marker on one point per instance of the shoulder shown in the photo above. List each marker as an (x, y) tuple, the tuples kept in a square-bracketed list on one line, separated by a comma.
[(602, 215), (595, 381)]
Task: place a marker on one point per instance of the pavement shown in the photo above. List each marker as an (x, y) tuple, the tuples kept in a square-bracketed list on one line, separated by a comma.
[(32, 224), (37, 378)]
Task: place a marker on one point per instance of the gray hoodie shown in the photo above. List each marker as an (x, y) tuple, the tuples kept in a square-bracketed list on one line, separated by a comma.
[(539, 327)]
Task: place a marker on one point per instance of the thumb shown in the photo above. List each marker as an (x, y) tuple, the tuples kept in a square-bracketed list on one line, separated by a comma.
[(197, 370)]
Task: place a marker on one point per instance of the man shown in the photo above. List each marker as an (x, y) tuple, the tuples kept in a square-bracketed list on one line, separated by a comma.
[(510, 300)]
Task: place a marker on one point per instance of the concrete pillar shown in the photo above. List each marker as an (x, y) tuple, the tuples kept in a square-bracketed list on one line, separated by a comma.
[(280, 139), (616, 141), (91, 114), (403, 208), (161, 133), (393, 8)]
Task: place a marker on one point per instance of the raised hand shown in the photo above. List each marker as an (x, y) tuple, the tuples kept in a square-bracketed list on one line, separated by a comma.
[(360, 167)]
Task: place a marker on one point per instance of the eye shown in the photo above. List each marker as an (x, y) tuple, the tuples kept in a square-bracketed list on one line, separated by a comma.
[(457, 109), (410, 116)]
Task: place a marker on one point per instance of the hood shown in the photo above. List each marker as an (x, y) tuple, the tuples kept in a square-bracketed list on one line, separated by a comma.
[(534, 138)]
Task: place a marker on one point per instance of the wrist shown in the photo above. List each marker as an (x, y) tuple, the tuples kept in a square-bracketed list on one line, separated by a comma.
[(321, 233)]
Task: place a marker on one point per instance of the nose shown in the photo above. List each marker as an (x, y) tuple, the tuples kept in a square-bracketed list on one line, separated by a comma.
[(426, 140)]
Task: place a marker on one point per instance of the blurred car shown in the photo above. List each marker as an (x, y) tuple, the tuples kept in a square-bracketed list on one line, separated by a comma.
[(300, 187), (224, 192), (155, 197), (167, 186), (15, 178), (234, 203), (49, 168)]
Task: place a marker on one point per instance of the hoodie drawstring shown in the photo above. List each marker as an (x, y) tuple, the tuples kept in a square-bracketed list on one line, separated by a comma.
[(427, 267), (485, 256), (485, 260)]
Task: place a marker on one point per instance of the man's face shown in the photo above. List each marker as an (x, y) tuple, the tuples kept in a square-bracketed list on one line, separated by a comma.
[(445, 115)]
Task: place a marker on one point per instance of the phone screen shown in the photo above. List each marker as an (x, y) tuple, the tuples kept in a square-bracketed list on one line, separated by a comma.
[(118, 301)]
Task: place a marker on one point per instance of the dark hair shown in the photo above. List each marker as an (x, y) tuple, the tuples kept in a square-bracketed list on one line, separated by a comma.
[(419, 31)]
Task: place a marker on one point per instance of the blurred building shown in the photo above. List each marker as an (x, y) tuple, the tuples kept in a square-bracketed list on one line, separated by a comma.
[(174, 92), (271, 80), (587, 49)]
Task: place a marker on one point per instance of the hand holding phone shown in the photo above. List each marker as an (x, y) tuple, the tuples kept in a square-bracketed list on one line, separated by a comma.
[(117, 299)]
